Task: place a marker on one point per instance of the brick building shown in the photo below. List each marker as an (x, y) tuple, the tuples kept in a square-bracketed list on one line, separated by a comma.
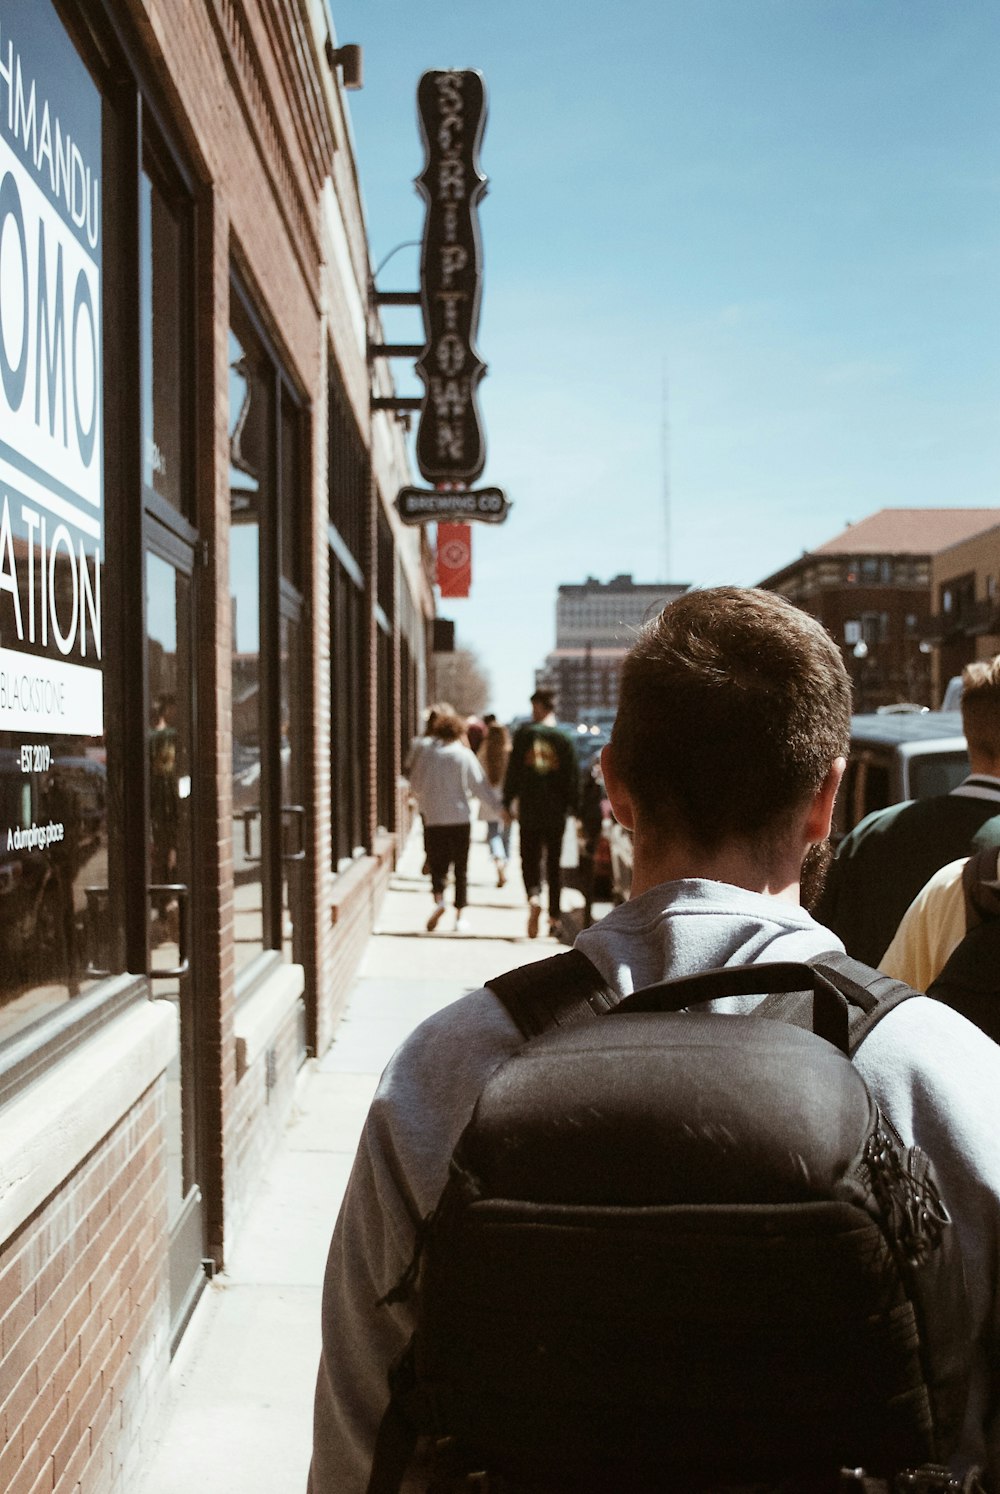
[(871, 588), (595, 624), (965, 605), (213, 648)]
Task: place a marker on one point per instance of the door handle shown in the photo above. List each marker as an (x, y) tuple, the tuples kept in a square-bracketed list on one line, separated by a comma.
[(248, 816), (298, 811), (182, 893), (97, 905)]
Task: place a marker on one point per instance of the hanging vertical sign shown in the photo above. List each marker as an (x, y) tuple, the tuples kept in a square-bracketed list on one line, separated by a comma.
[(454, 559), (450, 445), (51, 444)]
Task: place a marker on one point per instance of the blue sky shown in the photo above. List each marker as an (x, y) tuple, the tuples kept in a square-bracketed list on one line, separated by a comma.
[(786, 212)]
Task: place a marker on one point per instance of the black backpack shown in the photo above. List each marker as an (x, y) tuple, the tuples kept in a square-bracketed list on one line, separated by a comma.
[(681, 1252), (970, 979)]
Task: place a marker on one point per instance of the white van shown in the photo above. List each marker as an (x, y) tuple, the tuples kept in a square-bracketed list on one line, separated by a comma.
[(896, 757)]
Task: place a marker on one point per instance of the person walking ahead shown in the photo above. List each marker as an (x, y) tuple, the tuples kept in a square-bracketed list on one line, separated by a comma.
[(542, 777), (494, 755), (443, 777)]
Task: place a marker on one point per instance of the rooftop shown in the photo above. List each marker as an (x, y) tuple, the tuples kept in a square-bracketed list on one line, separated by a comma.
[(910, 531), (903, 531), (623, 583)]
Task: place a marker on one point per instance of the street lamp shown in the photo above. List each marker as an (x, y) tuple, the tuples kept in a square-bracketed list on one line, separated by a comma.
[(860, 652)]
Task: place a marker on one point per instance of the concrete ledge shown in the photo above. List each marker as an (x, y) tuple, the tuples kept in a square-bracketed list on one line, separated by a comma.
[(350, 884), (261, 1015), (385, 847), (51, 1126), (359, 879)]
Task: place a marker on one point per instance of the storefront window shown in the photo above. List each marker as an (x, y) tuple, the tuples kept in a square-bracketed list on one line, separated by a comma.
[(250, 409), (293, 813), (55, 935), (163, 280), (267, 501), (349, 506)]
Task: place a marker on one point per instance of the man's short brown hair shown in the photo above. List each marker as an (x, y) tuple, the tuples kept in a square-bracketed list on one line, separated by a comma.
[(733, 705), (544, 698), (981, 706)]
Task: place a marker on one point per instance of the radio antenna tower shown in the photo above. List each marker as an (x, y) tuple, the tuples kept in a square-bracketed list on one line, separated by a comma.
[(665, 475)]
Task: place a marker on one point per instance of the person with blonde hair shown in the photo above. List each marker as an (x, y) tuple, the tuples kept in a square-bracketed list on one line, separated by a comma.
[(494, 752), (444, 777)]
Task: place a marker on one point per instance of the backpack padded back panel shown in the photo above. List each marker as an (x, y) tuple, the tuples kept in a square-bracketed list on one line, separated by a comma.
[(648, 1271)]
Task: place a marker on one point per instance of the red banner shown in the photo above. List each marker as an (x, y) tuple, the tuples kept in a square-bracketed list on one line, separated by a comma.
[(454, 559)]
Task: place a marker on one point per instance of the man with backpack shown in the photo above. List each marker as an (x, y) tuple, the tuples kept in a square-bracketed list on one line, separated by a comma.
[(725, 759)]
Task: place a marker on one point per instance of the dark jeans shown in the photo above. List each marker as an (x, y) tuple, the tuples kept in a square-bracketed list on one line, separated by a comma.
[(542, 838), (447, 846)]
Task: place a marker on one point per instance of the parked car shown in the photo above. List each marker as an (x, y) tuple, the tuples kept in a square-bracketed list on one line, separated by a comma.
[(896, 757), (952, 698)]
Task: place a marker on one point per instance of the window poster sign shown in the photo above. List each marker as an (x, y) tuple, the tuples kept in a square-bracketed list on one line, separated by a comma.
[(52, 781), (51, 492)]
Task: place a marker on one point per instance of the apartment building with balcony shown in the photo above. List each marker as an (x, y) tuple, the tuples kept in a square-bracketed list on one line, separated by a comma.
[(872, 587)]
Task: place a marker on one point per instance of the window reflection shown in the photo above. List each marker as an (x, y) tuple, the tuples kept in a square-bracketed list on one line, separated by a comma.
[(249, 420), (54, 922), (293, 812), (162, 279)]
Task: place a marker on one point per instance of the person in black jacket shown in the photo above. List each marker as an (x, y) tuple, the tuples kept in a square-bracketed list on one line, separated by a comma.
[(886, 859), (542, 778)]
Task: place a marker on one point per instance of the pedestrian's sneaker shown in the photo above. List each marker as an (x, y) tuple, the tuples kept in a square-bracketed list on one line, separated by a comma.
[(462, 925), (435, 917), (534, 917)]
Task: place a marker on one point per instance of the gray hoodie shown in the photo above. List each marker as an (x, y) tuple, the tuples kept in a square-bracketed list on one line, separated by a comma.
[(934, 1075)]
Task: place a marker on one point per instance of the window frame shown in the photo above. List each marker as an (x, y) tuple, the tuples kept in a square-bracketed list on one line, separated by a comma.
[(350, 619), (279, 598)]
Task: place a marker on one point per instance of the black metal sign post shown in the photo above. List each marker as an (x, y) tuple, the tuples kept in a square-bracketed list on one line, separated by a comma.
[(450, 446), (451, 107)]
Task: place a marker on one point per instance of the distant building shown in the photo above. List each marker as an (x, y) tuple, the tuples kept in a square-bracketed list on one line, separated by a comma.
[(871, 587), (595, 624)]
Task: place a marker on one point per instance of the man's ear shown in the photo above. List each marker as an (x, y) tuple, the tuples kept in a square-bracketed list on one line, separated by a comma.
[(820, 817), (618, 794)]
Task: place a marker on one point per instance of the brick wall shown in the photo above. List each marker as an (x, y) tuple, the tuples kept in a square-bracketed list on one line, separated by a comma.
[(84, 1318), (258, 1115), (84, 1294)]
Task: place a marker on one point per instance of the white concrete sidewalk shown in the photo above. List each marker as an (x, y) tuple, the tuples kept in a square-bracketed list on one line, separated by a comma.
[(240, 1419)]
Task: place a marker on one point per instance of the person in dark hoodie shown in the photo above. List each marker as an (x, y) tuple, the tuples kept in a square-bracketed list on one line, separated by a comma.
[(886, 859)]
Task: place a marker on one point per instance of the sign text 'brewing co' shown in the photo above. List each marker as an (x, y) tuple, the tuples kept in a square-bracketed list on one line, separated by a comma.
[(450, 445)]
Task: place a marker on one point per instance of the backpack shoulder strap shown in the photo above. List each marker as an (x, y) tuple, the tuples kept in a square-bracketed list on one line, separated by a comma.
[(870, 994), (568, 987), (553, 993)]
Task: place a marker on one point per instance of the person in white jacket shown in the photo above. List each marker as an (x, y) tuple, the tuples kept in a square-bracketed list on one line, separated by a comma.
[(725, 759), (445, 775)]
